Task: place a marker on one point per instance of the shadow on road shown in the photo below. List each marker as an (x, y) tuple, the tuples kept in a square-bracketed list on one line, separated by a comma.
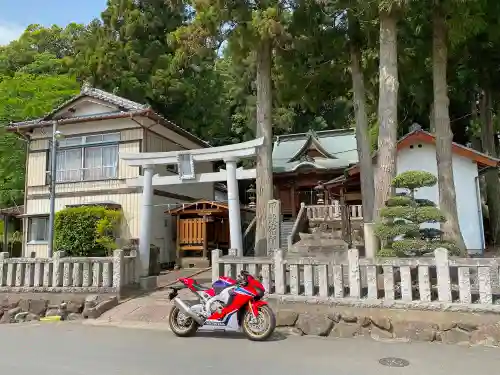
[(277, 336)]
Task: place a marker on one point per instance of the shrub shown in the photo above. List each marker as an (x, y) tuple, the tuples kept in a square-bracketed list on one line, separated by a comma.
[(86, 231), (399, 229)]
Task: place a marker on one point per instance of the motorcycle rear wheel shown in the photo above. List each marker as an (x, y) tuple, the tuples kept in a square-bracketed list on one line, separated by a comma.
[(265, 317), (181, 325)]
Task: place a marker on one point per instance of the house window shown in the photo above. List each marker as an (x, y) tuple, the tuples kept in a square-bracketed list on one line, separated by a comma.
[(91, 157), (38, 229)]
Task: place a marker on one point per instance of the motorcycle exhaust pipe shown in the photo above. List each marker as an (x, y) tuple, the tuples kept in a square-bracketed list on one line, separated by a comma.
[(181, 305)]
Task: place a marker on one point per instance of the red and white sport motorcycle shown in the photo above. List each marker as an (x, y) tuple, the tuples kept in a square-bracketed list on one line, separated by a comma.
[(229, 305)]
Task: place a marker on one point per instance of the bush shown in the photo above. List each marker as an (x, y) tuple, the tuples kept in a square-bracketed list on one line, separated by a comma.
[(412, 180), (86, 231), (399, 229)]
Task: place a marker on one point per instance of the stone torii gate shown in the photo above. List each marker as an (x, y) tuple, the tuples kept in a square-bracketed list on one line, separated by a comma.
[(186, 161)]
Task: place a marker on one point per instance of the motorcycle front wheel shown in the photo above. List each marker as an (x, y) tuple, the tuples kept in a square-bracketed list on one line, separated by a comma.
[(180, 324), (261, 327)]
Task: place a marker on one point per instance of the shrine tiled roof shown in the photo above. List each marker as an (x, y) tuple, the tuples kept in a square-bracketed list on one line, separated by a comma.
[(334, 149)]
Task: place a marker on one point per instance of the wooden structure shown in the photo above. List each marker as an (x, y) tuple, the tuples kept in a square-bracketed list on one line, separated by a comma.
[(12, 216), (301, 161), (201, 226)]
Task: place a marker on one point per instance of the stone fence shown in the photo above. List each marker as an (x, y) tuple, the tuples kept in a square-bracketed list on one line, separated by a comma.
[(429, 283), (68, 274)]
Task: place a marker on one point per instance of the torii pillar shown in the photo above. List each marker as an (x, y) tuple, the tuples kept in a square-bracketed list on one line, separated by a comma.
[(233, 202), (146, 220)]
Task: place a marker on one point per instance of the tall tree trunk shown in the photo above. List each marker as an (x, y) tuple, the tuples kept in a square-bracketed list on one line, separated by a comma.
[(432, 126), (444, 136), (475, 139), (264, 181), (362, 136), (492, 181), (387, 110)]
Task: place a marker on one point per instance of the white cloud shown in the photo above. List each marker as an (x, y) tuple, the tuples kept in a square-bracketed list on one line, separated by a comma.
[(9, 32)]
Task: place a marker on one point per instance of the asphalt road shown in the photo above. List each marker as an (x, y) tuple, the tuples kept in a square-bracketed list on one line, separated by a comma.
[(75, 349)]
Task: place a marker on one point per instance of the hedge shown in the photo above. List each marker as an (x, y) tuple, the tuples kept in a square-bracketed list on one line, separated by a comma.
[(86, 231)]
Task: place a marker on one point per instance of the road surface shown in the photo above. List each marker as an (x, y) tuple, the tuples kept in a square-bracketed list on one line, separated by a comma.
[(76, 349)]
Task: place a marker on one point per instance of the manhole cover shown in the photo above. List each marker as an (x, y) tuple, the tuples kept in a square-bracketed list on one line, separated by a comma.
[(394, 362)]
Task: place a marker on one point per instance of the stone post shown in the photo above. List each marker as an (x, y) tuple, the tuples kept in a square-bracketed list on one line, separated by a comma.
[(20, 274), (97, 274), (47, 274), (57, 271), (217, 269), (29, 274), (371, 241), (233, 201), (279, 272), (354, 274), (273, 225), (443, 275), (87, 274), (484, 276), (38, 278), (67, 275), (118, 262), (11, 274), (136, 266), (77, 274), (323, 280)]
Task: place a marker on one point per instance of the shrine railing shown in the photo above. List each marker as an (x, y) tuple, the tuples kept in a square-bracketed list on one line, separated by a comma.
[(439, 282), (328, 212), (63, 274)]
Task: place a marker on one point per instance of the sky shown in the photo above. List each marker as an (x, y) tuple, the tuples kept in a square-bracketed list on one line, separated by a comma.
[(16, 15)]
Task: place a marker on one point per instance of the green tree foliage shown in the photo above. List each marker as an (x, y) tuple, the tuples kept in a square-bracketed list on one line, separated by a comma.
[(196, 63), (400, 228), (128, 53), (40, 50), (24, 96), (87, 231)]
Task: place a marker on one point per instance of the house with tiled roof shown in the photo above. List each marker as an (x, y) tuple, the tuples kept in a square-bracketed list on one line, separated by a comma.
[(97, 126)]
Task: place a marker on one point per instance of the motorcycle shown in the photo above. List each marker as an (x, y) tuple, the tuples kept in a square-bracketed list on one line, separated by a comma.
[(229, 305)]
